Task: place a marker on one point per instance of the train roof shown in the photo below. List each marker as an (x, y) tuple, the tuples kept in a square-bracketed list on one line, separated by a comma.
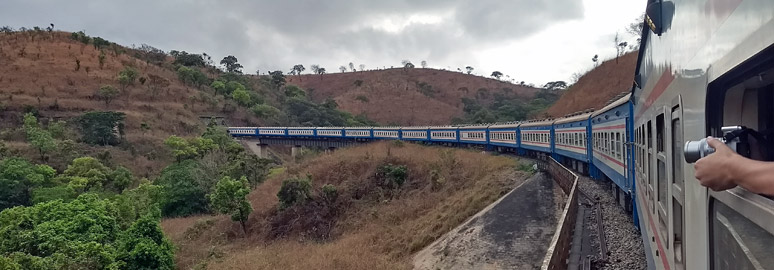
[(538, 123), (442, 127), (618, 102), (330, 128), (575, 118), (386, 128), (506, 125), (415, 128), (353, 128), (473, 127)]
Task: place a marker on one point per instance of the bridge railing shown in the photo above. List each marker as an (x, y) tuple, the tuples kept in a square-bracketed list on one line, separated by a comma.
[(559, 251)]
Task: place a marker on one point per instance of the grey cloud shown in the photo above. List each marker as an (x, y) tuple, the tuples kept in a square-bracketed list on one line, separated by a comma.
[(270, 35)]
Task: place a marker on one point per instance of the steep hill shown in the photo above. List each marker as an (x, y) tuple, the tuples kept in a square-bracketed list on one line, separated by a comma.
[(413, 96), (597, 87)]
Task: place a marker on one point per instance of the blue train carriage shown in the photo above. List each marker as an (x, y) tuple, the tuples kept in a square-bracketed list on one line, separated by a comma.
[(358, 132), (415, 134), (243, 131), (386, 133), (504, 137), (304, 132), (474, 134), (447, 135), (330, 132), (571, 141), (535, 138), (610, 140), (271, 131)]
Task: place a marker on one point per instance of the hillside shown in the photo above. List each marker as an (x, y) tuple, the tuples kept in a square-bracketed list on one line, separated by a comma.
[(413, 96), (371, 223), (597, 87)]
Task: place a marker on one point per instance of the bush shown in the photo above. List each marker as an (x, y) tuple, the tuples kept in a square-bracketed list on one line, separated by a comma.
[(393, 176), (330, 193), (294, 191), (265, 111)]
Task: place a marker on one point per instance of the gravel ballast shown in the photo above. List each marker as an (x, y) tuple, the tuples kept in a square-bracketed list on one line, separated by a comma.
[(624, 243)]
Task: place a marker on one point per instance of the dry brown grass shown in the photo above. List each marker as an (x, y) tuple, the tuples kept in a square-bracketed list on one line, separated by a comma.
[(394, 97), (596, 87), (369, 234), (45, 76)]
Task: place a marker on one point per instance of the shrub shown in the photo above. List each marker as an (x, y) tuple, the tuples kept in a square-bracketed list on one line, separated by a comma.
[(362, 98), (330, 193), (230, 198), (265, 111), (393, 176), (294, 191)]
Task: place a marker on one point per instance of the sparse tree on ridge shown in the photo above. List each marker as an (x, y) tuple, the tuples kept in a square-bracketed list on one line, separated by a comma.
[(469, 69), (555, 86), (497, 74), (351, 66), (362, 67), (343, 69), (620, 46), (423, 63), (231, 64), (315, 69), (298, 69), (595, 59), (321, 71)]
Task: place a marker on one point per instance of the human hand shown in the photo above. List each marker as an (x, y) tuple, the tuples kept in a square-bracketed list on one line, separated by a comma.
[(717, 171)]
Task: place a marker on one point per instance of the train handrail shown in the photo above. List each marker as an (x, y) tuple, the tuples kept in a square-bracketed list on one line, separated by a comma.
[(558, 252)]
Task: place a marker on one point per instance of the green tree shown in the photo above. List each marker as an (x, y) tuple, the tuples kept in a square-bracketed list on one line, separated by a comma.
[(136, 203), (277, 79), (293, 91), (39, 138), (187, 59), (18, 177), (100, 127), (497, 74), (127, 77), (58, 235), (57, 129), (294, 191), (469, 69), (107, 93), (230, 198), (181, 148), (86, 174), (218, 86), (121, 178), (241, 96), (184, 192), (248, 165), (144, 246), (231, 64), (265, 111)]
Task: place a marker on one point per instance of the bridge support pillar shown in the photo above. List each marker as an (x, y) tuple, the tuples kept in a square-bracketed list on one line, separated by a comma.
[(259, 149)]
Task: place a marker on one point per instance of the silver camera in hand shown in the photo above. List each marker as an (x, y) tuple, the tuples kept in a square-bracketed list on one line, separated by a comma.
[(695, 150)]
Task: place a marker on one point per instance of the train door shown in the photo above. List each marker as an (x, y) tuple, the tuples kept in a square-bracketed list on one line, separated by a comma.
[(676, 186), (741, 223)]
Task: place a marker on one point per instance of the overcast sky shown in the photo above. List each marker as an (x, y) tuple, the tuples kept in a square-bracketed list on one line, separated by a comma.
[(529, 40)]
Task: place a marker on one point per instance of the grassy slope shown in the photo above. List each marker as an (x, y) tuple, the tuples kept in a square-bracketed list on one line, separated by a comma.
[(369, 234), (45, 76), (394, 97), (598, 86)]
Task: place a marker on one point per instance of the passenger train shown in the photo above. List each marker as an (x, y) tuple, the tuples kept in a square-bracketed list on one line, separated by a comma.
[(703, 65)]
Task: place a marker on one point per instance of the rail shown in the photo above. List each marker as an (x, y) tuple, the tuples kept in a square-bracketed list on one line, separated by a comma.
[(559, 251)]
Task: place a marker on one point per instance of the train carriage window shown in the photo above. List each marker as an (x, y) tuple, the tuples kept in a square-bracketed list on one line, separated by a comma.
[(738, 241), (618, 145)]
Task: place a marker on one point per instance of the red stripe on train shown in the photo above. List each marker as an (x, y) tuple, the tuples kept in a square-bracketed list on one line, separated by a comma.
[(666, 79)]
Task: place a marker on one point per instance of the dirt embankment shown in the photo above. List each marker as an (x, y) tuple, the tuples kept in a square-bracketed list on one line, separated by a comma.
[(370, 227), (598, 86), (415, 96)]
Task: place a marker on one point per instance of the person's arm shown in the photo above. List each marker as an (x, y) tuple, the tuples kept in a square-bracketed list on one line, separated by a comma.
[(726, 169)]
